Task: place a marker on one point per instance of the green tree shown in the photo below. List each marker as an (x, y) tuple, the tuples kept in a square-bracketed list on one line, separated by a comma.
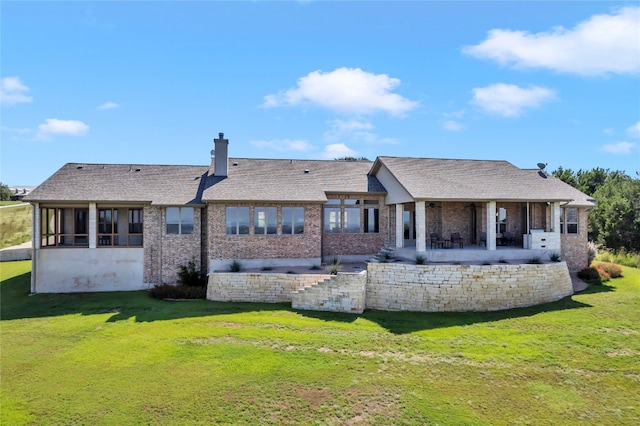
[(615, 222), (5, 192), (566, 176)]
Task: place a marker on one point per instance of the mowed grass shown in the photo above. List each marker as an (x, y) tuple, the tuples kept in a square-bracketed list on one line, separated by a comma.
[(15, 225), (124, 358)]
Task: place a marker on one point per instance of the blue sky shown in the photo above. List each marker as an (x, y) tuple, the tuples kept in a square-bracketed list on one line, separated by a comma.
[(155, 82)]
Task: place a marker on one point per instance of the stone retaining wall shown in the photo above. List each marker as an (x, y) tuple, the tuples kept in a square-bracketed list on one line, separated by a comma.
[(339, 293), (402, 287), (456, 288), (254, 287)]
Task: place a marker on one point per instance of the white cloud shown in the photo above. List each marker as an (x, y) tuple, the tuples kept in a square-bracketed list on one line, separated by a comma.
[(509, 100), (15, 130), (608, 131), (347, 90), (338, 150), (634, 131), (455, 114), (452, 125), (355, 131), (12, 91), (54, 126), (607, 43), (109, 105), (619, 147), (283, 145)]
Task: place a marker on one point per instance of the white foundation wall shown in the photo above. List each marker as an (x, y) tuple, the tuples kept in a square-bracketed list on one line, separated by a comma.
[(77, 270)]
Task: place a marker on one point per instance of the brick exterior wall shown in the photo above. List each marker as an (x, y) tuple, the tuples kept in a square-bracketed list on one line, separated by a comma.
[(165, 253), (302, 246), (574, 246)]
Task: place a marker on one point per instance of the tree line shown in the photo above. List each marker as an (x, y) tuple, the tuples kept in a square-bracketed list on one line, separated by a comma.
[(615, 221)]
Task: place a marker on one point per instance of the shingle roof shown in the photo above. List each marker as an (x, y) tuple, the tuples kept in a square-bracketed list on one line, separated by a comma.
[(164, 185), (290, 180), (454, 179)]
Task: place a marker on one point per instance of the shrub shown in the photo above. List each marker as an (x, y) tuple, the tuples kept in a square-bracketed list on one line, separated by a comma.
[(534, 261), (235, 266), (335, 266), (188, 275), (168, 291), (314, 268), (420, 259), (594, 275), (501, 260), (554, 257), (613, 270), (621, 257)]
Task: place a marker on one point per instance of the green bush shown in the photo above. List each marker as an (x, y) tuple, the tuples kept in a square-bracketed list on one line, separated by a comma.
[(235, 266), (590, 275), (621, 257), (535, 261), (168, 291), (189, 275), (335, 266), (554, 257), (420, 259), (613, 270)]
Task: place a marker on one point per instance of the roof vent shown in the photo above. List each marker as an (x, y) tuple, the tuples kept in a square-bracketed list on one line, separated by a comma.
[(235, 163), (306, 171), (79, 167), (220, 135)]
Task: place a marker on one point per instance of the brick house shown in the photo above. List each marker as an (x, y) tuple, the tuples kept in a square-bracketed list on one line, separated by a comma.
[(105, 227)]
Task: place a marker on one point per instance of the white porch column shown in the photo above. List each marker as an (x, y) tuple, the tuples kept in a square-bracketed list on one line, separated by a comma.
[(36, 240), (421, 228), (555, 217), (399, 225), (491, 225), (93, 228)]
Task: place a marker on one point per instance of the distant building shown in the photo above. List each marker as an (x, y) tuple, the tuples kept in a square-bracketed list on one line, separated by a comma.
[(19, 192)]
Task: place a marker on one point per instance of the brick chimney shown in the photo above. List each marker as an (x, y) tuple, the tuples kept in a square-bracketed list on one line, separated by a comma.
[(220, 157)]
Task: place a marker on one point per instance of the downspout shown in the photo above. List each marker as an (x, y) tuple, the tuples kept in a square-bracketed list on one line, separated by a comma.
[(160, 248)]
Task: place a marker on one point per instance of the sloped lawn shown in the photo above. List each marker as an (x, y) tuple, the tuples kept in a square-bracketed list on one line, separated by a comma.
[(128, 359)]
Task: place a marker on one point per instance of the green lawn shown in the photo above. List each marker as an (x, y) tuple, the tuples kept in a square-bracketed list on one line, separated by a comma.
[(124, 358)]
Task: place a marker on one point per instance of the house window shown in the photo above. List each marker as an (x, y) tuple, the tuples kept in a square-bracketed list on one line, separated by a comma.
[(569, 220), (237, 220), (265, 221), (64, 227), (501, 220), (180, 220), (292, 220), (351, 220), (332, 222), (371, 221), (346, 216), (371, 217), (119, 227)]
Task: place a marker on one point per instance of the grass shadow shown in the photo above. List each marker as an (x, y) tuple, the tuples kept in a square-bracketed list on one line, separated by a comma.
[(16, 303)]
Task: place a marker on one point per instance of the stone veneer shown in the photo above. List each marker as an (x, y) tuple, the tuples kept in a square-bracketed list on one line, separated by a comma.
[(455, 288), (254, 287), (403, 287), (339, 293)]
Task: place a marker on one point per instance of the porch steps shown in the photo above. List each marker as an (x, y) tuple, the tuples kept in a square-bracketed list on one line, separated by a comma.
[(311, 286), (383, 255)]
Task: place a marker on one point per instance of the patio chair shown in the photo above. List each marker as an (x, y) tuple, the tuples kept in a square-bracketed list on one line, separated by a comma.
[(508, 239), (436, 240), (483, 239), (456, 239)]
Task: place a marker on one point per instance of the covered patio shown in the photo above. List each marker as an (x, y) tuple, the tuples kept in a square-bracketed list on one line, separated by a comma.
[(487, 230)]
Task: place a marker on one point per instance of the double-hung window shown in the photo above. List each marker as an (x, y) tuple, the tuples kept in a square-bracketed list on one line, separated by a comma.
[(265, 220), (180, 220), (237, 220), (292, 220), (569, 220)]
